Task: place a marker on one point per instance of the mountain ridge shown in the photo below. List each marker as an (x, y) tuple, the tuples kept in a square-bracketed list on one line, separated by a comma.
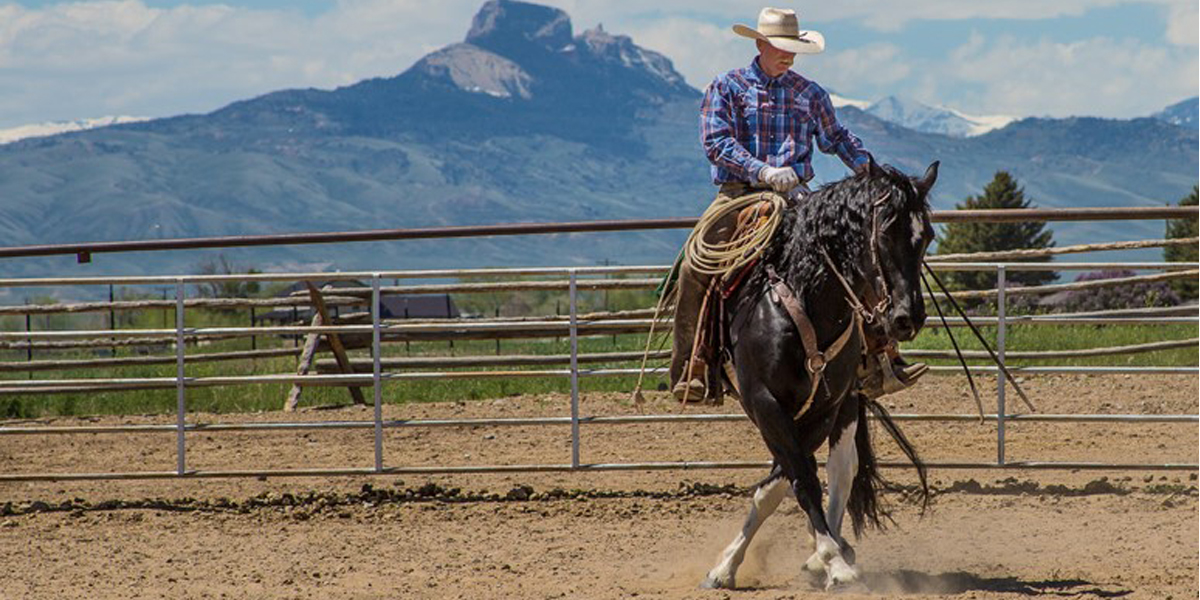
[(523, 120)]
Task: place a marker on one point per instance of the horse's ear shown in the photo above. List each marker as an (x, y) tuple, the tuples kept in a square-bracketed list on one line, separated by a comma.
[(873, 169), (925, 183)]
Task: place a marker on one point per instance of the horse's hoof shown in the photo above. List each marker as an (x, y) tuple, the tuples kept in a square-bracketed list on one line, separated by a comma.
[(713, 583), (850, 587), (848, 554), (841, 576), (814, 564)]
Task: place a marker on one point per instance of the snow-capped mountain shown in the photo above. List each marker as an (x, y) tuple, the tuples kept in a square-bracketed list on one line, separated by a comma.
[(935, 119), (922, 117), (54, 127), (840, 101), (1182, 114)]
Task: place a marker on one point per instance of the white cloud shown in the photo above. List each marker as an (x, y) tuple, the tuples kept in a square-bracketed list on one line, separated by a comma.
[(90, 59), (1099, 76), (883, 65), (700, 50), (106, 57), (883, 16), (1183, 24)]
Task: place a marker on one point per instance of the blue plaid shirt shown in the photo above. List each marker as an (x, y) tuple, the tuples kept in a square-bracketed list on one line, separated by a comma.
[(749, 120)]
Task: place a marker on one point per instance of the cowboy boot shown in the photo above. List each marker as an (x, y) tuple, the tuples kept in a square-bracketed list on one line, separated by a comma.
[(690, 388), (881, 374)]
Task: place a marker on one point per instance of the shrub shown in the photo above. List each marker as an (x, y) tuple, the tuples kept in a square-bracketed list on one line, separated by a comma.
[(1136, 295)]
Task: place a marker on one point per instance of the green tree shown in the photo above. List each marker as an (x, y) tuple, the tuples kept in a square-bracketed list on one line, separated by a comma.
[(226, 289), (1183, 228), (968, 237)]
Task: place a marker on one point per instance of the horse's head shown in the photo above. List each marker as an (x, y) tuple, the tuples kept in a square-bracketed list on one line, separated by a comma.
[(901, 231)]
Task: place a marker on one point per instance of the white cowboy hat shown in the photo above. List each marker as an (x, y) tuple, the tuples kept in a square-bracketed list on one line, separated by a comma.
[(780, 28)]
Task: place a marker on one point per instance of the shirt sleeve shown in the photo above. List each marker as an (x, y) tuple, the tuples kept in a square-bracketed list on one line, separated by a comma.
[(719, 136), (832, 138)]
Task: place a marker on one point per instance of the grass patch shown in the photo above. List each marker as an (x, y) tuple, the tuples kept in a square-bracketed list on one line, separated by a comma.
[(263, 397)]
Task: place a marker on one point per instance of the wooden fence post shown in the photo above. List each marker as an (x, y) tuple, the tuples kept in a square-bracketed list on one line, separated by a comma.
[(321, 317)]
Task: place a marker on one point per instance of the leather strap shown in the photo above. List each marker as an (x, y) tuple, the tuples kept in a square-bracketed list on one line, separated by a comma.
[(814, 360)]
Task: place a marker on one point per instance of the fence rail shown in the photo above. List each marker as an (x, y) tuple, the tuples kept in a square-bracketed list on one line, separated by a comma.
[(84, 251), (574, 325)]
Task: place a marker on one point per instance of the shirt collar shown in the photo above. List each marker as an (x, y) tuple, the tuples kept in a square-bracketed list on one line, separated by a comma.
[(761, 75)]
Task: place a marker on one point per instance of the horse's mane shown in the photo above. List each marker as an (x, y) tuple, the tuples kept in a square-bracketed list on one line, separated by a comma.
[(836, 217)]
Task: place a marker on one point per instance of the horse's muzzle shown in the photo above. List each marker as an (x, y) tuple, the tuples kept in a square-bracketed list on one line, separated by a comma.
[(904, 328)]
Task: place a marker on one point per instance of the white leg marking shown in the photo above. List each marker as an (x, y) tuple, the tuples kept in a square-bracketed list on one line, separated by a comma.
[(837, 572), (766, 500), (843, 464)]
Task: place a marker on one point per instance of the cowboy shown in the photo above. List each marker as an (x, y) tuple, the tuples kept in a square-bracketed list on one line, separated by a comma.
[(758, 124)]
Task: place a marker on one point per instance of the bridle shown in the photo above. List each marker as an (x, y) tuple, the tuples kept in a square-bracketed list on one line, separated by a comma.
[(816, 359), (879, 287)]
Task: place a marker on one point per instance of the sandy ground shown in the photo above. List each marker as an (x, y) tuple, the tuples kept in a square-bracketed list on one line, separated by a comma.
[(988, 534)]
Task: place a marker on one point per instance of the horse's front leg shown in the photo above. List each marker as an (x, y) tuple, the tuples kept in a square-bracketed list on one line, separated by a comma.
[(840, 472), (766, 499), (800, 468), (807, 487)]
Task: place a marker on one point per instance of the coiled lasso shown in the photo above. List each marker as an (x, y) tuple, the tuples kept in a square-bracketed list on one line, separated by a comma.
[(715, 259)]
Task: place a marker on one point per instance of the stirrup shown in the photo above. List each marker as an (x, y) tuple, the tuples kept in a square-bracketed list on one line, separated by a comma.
[(690, 392), (899, 375), (880, 376), (909, 373)]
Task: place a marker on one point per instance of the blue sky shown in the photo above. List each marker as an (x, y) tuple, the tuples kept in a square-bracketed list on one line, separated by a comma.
[(155, 58)]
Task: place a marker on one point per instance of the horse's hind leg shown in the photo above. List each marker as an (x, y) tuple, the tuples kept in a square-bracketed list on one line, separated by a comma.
[(766, 499)]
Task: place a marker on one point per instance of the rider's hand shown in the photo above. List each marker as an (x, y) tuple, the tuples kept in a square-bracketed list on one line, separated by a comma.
[(781, 179)]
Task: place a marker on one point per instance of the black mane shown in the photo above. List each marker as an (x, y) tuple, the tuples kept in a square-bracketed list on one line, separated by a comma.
[(836, 217)]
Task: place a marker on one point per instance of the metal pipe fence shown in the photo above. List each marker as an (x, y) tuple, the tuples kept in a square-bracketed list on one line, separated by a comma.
[(84, 251), (573, 328)]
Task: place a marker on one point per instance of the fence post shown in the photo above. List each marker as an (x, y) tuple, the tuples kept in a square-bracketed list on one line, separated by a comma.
[(1001, 327), (574, 375), (180, 394), (112, 318), (29, 340), (375, 372)]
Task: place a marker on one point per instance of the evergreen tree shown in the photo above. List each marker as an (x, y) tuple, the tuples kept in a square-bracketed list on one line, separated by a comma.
[(1183, 228), (1003, 192)]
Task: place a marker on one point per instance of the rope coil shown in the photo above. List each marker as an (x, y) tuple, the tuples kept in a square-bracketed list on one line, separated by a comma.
[(714, 259), (721, 258)]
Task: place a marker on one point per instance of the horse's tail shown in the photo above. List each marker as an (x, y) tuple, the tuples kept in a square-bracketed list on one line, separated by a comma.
[(863, 505)]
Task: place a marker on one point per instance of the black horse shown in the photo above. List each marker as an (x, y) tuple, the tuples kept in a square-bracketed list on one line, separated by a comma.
[(850, 256)]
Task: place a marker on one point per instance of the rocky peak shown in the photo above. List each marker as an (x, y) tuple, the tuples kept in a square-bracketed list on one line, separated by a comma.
[(507, 24), (526, 52), (621, 50)]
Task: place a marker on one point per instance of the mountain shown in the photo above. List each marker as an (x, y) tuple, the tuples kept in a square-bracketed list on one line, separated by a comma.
[(1182, 113), (13, 134), (523, 120), (930, 119)]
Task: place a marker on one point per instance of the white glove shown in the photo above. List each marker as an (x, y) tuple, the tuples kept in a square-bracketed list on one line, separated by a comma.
[(781, 179)]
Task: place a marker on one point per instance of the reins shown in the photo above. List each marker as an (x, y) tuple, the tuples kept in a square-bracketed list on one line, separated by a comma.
[(815, 359), (884, 301)]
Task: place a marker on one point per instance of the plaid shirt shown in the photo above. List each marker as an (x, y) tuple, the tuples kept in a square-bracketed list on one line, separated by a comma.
[(749, 120)]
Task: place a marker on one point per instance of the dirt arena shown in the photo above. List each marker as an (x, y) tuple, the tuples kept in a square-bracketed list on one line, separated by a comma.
[(988, 534)]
